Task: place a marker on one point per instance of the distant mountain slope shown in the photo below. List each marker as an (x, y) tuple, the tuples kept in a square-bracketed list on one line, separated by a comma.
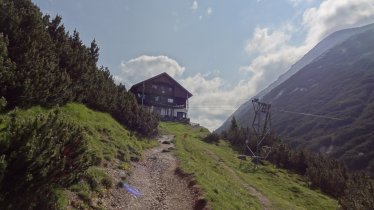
[(326, 44), (340, 84)]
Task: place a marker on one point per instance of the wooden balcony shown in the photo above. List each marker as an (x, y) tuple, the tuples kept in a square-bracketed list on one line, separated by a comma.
[(165, 104)]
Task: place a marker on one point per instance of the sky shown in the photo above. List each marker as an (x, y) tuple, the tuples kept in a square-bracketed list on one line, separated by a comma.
[(223, 52)]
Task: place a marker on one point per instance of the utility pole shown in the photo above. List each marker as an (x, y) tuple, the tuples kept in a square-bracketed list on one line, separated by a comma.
[(261, 126), (143, 94), (187, 104)]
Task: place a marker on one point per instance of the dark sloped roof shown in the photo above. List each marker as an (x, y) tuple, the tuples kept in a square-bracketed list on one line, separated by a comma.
[(161, 75)]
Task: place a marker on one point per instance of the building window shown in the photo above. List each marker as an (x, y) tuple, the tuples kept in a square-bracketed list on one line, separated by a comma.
[(154, 86), (170, 100), (157, 98), (181, 115), (170, 89)]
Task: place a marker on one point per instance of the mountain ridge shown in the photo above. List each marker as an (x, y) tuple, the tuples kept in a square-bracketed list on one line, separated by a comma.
[(337, 84), (327, 43), (320, 48)]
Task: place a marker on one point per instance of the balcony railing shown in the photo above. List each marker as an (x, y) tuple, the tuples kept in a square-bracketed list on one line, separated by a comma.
[(162, 104)]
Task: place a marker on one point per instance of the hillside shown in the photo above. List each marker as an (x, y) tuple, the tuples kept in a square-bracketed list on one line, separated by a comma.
[(329, 42), (337, 84), (109, 147), (230, 183)]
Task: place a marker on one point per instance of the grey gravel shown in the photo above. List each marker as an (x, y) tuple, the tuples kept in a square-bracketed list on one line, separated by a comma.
[(154, 176)]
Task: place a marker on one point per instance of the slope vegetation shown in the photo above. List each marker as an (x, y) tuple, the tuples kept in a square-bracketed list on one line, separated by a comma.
[(230, 183), (104, 144)]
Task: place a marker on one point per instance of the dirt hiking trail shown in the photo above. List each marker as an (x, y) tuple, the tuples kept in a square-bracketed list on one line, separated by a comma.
[(155, 178)]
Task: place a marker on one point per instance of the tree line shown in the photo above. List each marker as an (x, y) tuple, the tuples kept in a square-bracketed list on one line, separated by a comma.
[(354, 190), (43, 64)]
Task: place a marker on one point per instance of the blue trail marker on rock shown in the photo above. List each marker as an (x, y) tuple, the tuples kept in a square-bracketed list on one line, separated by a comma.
[(132, 190)]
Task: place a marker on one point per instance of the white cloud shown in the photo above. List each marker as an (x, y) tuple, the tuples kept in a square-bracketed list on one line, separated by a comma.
[(275, 55), (209, 11), (117, 79), (267, 67), (214, 100), (140, 68), (334, 15), (194, 6), (265, 41)]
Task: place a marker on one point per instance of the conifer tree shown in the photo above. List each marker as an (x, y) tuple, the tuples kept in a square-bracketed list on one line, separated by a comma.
[(7, 67), (37, 78)]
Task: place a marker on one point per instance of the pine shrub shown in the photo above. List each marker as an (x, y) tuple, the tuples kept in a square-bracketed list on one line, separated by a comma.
[(37, 156)]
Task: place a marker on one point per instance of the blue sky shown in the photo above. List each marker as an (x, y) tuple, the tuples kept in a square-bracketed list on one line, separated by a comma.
[(223, 51), (198, 41)]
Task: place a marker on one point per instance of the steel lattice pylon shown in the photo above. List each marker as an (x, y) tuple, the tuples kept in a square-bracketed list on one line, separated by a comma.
[(261, 126)]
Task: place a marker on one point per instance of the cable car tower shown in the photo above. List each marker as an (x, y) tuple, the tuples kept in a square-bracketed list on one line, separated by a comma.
[(261, 126)]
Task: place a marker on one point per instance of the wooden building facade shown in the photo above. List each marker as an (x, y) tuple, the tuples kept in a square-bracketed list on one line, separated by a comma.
[(163, 95)]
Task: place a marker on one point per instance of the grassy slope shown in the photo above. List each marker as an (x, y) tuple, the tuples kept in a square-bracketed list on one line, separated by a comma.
[(223, 177), (107, 140)]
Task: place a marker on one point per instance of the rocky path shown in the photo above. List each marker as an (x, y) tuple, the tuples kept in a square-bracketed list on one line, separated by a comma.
[(155, 178)]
